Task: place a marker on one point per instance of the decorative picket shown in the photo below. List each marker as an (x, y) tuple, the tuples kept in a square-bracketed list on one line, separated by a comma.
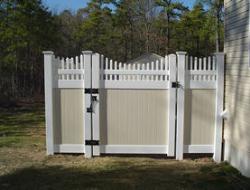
[(154, 75), (100, 76), (70, 72), (201, 72)]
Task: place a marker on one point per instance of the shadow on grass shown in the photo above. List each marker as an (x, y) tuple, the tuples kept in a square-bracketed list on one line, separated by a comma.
[(124, 177)]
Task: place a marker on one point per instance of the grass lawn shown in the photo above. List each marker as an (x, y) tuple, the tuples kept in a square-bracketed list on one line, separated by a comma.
[(24, 164)]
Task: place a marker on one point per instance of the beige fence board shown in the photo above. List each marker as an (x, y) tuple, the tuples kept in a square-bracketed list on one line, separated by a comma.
[(69, 104), (134, 117), (199, 117)]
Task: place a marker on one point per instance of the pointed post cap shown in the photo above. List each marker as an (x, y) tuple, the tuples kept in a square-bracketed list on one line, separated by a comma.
[(48, 52)]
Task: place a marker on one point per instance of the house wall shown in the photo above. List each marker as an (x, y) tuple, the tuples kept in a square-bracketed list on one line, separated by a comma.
[(237, 85)]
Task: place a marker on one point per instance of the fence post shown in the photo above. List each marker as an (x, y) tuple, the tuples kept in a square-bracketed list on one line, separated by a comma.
[(219, 106), (171, 105), (181, 58), (87, 55), (96, 102), (48, 90)]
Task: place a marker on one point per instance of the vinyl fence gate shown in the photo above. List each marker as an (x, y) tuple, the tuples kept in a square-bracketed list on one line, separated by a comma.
[(95, 105)]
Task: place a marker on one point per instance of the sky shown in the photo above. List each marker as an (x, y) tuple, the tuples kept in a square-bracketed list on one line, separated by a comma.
[(59, 5)]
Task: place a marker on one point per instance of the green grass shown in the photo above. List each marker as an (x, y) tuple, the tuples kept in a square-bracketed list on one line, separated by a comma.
[(24, 164), (19, 126)]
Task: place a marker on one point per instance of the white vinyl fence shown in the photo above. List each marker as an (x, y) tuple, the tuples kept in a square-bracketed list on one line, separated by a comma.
[(172, 106)]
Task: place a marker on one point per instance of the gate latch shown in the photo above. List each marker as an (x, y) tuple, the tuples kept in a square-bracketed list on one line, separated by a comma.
[(92, 105)]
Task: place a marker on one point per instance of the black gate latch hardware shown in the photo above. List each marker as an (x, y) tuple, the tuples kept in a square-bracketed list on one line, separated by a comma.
[(94, 98), (175, 85), (92, 142)]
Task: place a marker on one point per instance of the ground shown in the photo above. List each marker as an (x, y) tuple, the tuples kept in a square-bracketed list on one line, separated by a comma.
[(24, 164)]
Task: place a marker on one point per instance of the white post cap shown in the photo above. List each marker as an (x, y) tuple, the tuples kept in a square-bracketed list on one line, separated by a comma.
[(87, 52), (181, 52), (219, 53), (48, 52)]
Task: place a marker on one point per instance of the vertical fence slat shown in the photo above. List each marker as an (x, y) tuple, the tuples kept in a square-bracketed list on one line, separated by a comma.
[(180, 105), (116, 68), (161, 68), (67, 63), (148, 68), (120, 77), (106, 63), (49, 111), (205, 77), (171, 105), (219, 57), (210, 78), (72, 63), (214, 67), (63, 67), (138, 68), (161, 64), (166, 63), (81, 62), (105, 76), (191, 63), (204, 63), (133, 69), (195, 68), (72, 68), (102, 69), (77, 63), (209, 63), (111, 68), (96, 104), (67, 67), (157, 69), (87, 104)]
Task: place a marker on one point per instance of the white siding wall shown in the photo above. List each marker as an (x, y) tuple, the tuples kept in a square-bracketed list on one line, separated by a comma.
[(237, 86)]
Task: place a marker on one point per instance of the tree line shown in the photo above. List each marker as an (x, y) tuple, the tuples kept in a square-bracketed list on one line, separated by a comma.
[(119, 29)]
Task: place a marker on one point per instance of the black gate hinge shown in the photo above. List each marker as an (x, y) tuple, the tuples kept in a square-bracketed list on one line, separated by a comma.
[(90, 110), (91, 91), (92, 142), (176, 85)]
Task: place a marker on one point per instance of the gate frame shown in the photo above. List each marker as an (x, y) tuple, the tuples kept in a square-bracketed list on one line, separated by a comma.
[(92, 80), (91, 118)]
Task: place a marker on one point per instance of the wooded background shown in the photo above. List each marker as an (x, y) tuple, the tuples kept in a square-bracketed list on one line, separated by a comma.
[(119, 29)]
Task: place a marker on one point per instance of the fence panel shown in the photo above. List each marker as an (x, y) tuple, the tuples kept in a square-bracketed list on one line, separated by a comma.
[(97, 105), (200, 95), (64, 102)]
